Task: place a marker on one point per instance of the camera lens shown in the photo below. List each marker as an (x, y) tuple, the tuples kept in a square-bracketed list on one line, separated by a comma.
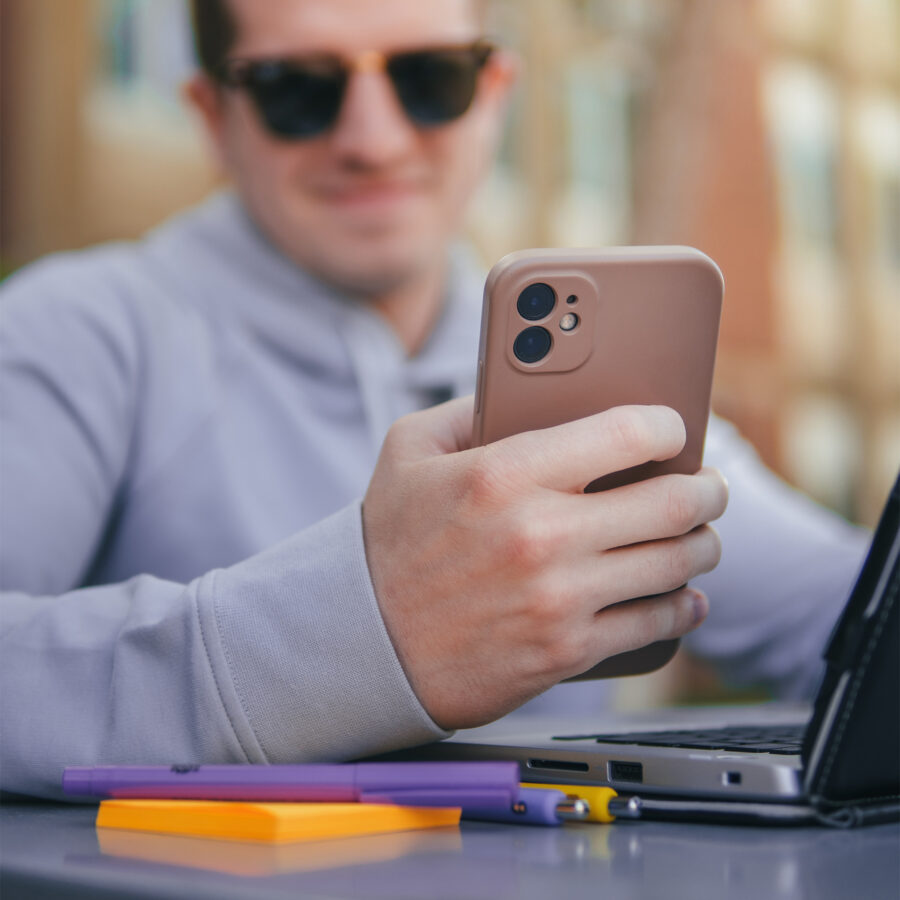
[(532, 344), (536, 302)]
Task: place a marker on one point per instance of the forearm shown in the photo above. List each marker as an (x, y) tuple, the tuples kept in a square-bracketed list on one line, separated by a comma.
[(280, 658)]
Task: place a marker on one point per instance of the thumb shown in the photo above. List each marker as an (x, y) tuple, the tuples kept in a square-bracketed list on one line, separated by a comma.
[(442, 429)]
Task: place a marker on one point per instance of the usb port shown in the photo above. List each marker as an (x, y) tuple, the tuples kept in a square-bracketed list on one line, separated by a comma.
[(625, 771)]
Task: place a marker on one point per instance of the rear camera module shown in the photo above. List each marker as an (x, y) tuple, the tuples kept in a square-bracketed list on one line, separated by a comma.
[(532, 345), (536, 302)]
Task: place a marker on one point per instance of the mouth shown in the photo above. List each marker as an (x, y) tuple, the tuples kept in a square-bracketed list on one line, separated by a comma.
[(382, 194)]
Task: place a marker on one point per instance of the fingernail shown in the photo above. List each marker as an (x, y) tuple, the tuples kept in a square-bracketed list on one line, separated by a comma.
[(700, 606)]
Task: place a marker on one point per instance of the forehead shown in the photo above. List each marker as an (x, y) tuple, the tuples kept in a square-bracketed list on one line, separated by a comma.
[(279, 27)]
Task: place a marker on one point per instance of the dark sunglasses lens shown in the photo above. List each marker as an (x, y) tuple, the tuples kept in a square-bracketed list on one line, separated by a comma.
[(297, 102), (435, 86)]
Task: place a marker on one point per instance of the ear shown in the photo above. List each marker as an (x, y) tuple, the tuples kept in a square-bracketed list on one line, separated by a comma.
[(205, 97), (494, 90), (501, 72)]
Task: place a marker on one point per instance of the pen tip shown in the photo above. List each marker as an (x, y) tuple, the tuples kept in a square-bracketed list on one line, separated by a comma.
[(573, 808)]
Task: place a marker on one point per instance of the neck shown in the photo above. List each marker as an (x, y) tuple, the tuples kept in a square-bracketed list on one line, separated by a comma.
[(413, 309)]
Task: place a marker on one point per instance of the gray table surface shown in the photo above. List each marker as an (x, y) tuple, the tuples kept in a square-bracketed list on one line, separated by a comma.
[(54, 850)]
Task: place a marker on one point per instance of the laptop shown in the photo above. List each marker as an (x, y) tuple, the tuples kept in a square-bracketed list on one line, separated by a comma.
[(839, 765)]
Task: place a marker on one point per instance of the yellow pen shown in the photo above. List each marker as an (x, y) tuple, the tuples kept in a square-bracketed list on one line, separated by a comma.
[(596, 798)]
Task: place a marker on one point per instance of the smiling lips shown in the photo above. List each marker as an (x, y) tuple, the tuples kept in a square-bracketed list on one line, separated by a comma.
[(380, 193)]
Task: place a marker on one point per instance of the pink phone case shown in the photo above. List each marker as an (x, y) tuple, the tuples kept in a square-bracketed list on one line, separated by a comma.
[(646, 333)]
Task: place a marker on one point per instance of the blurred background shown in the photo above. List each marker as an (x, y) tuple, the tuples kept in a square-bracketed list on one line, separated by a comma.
[(764, 132)]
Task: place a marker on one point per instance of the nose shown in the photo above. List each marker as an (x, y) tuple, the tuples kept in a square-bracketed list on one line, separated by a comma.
[(372, 129)]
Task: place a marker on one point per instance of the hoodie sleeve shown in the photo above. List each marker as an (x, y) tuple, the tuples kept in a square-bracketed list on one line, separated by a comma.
[(787, 569), (282, 657)]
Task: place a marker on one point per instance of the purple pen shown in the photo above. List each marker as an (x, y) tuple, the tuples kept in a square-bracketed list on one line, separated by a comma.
[(495, 784), (534, 806)]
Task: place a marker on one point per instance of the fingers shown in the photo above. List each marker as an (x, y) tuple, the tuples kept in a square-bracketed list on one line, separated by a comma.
[(649, 510), (568, 457), (637, 623), (570, 647), (643, 570), (582, 586)]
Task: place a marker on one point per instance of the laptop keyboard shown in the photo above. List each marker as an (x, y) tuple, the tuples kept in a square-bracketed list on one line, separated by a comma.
[(744, 738)]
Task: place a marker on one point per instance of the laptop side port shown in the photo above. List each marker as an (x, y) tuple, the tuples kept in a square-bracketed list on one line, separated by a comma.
[(559, 765), (625, 771)]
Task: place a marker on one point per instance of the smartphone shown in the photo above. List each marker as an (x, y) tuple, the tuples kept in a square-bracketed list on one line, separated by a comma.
[(566, 333)]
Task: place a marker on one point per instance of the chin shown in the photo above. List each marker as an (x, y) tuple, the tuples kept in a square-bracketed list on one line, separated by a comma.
[(376, 268)]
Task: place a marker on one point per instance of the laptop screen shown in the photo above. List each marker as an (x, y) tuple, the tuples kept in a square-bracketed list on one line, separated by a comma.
[(852, 746)]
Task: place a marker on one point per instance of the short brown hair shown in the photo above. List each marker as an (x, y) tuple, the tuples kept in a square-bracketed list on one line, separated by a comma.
[(215, 31)]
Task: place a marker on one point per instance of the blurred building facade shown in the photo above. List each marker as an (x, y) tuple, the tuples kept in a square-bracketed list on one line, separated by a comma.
[(94, 142)]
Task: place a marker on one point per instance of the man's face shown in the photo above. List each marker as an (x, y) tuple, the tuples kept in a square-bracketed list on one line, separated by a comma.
[(371, 203)]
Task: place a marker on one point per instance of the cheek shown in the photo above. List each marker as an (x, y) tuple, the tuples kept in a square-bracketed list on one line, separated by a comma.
[(271, 182), (260, 165), (461, 159)]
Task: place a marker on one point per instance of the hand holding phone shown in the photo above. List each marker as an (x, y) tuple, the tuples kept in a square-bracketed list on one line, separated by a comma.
[(495, 574), (569, 333), (497, 577)]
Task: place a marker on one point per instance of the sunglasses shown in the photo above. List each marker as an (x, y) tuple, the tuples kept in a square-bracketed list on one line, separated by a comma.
[(301, 98)]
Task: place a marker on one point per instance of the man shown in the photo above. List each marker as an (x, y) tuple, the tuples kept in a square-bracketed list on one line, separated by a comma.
[(189, 423)]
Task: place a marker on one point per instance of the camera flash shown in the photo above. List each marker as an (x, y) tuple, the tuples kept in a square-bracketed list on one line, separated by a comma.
[(568, 321)]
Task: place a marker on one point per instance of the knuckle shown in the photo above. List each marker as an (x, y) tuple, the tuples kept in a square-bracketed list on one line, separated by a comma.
[(548, 607), (664, 617), (549, 611), (627, 429), (481, 477), (635, 626), (667, 620), (564, 649), (571, 650), (487, 478), (527, 545), (680, 562), (680, 506)]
